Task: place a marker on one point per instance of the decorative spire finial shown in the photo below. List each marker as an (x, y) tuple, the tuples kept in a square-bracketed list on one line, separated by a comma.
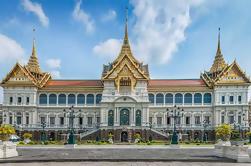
[(33, 64), (219, 48), (219, 62), (126, 31)]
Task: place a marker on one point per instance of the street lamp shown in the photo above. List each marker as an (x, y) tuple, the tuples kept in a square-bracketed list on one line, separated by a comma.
[(175, 113), (71, 139), (206, 123), (43, 125)]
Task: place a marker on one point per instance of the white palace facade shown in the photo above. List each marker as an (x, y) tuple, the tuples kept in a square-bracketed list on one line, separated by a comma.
[(125, 101)]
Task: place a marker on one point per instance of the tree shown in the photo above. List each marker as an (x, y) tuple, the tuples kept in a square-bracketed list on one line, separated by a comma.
[(5, 131), (223, 132), (27, 135)]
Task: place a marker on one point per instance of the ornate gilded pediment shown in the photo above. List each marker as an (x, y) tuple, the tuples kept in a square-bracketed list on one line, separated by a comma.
[(18, 75), (233, 75)]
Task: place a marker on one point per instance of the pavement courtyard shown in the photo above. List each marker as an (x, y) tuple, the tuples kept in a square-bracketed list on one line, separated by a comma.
[(110, 155)]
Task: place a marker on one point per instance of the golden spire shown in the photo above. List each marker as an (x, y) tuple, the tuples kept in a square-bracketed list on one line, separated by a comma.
[(33, 64), (126, 41), (219, 62)]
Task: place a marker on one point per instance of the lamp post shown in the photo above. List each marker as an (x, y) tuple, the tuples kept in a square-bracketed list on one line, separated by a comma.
[(43, 125), (175, 113), (206, 123), (71, 139)]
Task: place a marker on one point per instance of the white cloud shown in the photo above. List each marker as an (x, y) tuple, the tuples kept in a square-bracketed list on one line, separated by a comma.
[(9, 49), (110, 48), (55, 74), (53, 63), (36, 9), (81, 16), (110, 15), (159, 28)]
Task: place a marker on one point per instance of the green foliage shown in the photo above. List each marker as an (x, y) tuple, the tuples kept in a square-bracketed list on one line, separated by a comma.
[(5, 131), (137, 136), (110, 135), (248, 134), (235, 135), (31, 143), (21, 143), (27, 135), (223, 132)]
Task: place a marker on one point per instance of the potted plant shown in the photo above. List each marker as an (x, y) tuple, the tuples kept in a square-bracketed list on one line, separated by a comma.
[(223, 132), (110, 136), (6, 131), (27, 137), (249, 136), (137, 138)]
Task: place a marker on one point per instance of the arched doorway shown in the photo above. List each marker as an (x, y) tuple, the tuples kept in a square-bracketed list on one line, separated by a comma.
[(124, 117), (124, 136), (111, 118)]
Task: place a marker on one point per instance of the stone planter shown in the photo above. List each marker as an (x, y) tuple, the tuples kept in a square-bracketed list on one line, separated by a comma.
[(8, 149), (238, 143)]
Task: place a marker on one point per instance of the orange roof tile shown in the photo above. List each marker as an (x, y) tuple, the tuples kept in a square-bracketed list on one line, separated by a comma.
[(92, 83), (176, 82)]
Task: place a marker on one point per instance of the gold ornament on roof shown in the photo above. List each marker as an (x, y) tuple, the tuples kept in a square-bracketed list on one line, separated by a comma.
[(219, 62)]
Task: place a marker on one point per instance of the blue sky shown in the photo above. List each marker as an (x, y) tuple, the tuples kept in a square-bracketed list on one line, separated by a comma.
[(177, 38)]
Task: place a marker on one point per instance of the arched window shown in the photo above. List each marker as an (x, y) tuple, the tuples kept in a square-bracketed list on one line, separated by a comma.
[(43, 99), (52, 99), (178, 98), (90, 99), (98, 98), (169, 98), (160, 98), (71, 99), (138, 118), (81, 99), (207, 98), (188, 98), (111, 118), (62, 99), (197, 98), (151, 98)]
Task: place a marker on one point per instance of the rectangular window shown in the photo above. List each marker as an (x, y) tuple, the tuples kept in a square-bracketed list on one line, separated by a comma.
[(19, 100), (80, 121), (98, 120), (222, 99), (27, 100), (61, 120), (159, 121), (187, 120), (11, 100), (239, 99), (151, 120), (42, 119), (10, 120), (239, 119), (231, 119), (89, 121), (231, 99), (197, 120), (222, 119), (27, 120), (19, 120), (52, 120), (207, 119), (168, 120)]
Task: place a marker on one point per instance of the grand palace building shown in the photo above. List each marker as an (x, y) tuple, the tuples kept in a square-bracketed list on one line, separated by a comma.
[(126, 101)]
